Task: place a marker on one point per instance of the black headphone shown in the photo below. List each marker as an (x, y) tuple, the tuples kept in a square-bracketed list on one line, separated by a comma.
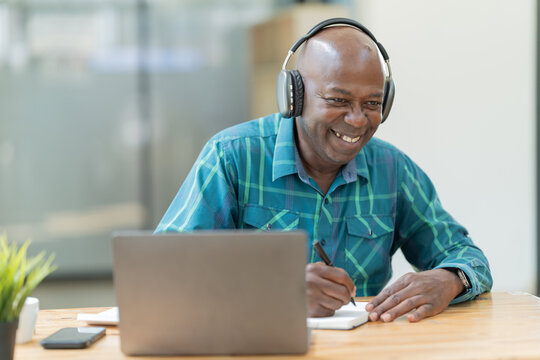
[(290, 88)]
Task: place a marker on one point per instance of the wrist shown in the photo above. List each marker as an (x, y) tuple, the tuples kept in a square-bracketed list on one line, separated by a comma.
[(461, 280)]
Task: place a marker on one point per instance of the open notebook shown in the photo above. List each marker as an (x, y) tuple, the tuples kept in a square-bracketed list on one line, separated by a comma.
[(346, 318), (107, 317)]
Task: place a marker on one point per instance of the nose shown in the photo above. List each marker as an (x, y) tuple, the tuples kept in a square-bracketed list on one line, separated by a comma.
[(355, 117)]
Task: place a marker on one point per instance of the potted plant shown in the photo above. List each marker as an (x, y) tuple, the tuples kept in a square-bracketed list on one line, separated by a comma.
[(19, 276)]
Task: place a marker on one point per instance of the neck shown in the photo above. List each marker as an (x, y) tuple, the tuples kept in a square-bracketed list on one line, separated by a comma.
[(323, 174), (323, 178)]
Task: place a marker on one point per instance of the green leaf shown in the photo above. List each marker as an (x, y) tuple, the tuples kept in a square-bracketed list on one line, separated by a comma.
[(19, 276)]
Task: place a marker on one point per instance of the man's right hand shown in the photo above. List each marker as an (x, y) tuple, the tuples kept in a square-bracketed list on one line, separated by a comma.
[(328, 289)]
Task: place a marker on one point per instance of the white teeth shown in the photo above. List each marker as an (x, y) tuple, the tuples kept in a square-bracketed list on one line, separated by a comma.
[(347, 138)]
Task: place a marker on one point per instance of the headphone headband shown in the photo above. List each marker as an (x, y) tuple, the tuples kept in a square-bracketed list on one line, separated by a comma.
[(336, 21)]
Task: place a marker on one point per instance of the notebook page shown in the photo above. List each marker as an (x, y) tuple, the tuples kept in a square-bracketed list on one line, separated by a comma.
[(347, 317)]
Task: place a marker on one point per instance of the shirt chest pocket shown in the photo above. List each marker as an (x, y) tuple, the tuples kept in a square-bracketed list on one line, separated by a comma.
[(368, 248), (370, 226), (265, 218)]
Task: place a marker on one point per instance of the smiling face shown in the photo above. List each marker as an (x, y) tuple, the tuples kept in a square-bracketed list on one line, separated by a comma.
[(343, 83)]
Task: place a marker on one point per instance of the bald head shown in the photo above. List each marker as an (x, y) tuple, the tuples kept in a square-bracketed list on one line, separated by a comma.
[(333, 48)]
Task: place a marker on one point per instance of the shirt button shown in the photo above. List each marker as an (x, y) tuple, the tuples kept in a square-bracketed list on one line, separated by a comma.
[(269, 226), (323, 242), (326, 201)]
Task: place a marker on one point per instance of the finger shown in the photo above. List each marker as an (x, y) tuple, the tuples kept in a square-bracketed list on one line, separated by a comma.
[(329, 303), (339, 276), (396, 293), (423, 311), (336, 291), (333, 274), (327, 292), (400, 284), (394, 300), (389, 303), (320, 304), (319, 311), (402, 308)]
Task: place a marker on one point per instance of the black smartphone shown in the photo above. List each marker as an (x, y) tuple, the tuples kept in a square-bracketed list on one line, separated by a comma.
[(73, 338)]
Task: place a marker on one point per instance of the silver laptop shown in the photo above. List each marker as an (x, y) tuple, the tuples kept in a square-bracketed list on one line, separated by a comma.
[(209, 293)]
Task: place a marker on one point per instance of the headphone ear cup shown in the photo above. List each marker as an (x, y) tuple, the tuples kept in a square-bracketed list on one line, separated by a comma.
[(298, 93), (284, 93), (388, 98), (290, 93)]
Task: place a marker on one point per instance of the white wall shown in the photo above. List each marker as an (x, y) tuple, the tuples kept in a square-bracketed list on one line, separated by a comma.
[(464, 111)]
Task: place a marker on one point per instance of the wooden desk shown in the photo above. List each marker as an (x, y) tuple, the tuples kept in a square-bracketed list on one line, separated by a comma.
[(497, 325)]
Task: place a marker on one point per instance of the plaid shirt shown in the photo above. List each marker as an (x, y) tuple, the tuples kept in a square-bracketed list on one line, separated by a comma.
[(250, 176)]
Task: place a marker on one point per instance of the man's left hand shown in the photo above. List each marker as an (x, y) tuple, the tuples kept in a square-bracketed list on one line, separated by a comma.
[(427, 293)]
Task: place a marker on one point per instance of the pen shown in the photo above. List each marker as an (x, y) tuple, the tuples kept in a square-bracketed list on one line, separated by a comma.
[(322, 254)]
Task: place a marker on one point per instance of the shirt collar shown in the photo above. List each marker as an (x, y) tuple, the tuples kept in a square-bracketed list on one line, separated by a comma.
[(361, 167), (287, 159), (284, 162)]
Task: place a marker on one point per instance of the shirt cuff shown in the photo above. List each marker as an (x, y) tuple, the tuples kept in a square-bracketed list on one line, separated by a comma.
[(473, 292)]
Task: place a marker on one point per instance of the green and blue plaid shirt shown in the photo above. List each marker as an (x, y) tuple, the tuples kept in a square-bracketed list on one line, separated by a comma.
[(250, 176)]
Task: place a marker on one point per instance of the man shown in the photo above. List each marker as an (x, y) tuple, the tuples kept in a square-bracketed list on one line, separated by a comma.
[(322, 172)]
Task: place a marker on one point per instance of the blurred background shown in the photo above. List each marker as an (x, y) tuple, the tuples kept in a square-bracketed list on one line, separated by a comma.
[(105, 104)]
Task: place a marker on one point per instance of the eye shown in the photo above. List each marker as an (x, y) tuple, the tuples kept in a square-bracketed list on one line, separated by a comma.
[(373, 105), (337, 101)]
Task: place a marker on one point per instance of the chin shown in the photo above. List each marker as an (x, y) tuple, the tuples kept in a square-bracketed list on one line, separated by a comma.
[(341, 160)]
